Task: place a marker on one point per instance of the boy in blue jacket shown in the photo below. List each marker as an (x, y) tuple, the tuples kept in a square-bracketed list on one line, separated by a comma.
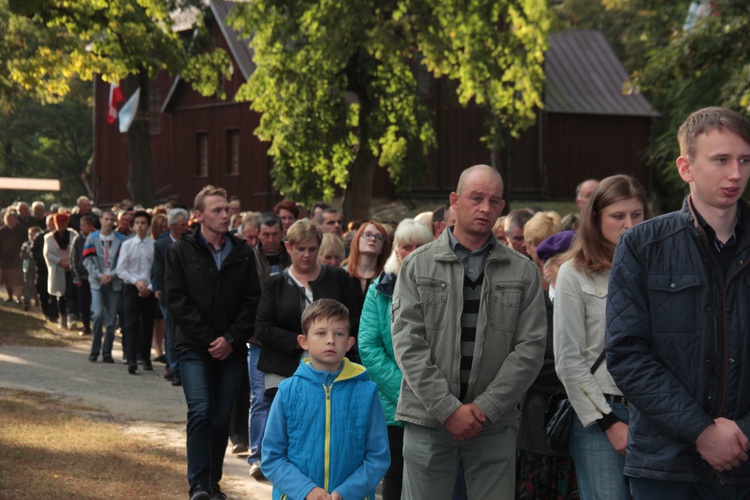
[(326, 437)]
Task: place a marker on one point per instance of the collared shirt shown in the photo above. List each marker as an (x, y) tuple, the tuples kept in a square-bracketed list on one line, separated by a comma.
[(724, 251), (135, 260), (219, 254), (473, 260)]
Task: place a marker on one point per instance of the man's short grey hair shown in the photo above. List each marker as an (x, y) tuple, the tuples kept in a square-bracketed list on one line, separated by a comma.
[(329, 210), (37, 204), (176, 214), (269, 219)]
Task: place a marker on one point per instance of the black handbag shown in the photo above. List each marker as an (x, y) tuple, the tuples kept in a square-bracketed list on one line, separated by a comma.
[(558, 419)]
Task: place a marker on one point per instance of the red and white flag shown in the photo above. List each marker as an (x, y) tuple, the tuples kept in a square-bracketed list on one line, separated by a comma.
[(115, 98)]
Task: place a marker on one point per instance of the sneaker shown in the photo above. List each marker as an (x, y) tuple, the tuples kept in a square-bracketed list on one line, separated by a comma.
[(169, 375), (161, 359), (200, 493), (147, 366), (177, 382), (255, 471), (107, 359), (132, 368), (93, 357), (84, 332)]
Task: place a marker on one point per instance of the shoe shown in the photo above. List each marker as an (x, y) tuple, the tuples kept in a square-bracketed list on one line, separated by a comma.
[(147, 366), (255, 471), (216, 493), (177, 382), (169, 376), (124, 361), (161, 359), (239, 448), (108, 359), (84, 332), (93, 357), (200, 493), (132, 368)]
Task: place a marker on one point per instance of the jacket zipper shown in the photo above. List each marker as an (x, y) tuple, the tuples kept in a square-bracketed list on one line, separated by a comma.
[(327, 451)]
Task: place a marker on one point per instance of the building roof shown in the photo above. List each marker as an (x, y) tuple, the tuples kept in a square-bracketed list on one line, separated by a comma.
[(240, 49), (584, 76)]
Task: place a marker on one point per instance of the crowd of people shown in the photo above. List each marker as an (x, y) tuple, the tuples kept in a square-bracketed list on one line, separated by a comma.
[(423, 353)]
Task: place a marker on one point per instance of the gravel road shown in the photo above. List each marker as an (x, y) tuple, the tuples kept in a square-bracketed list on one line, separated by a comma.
[(144, 403)]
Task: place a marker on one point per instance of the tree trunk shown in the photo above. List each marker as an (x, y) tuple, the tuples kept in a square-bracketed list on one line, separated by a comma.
[(358, 194), (141, 175)]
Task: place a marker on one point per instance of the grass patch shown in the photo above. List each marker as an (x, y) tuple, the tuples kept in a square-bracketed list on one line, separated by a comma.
[(19, 327), (57, 450)]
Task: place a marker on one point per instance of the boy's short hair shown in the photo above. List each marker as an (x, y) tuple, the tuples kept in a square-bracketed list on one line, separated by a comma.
[(142, 213), (88, 220), (324, 308)]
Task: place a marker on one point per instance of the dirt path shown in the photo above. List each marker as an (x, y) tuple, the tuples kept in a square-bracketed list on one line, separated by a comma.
[(145, 404)]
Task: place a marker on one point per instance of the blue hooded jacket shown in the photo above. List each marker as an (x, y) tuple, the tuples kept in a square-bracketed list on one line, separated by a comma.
[(327, 430)]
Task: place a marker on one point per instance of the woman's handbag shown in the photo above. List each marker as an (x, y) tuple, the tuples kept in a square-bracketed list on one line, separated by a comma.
[(558, 419)]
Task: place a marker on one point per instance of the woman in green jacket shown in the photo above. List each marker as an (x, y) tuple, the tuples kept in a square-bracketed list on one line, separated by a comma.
[(376, 347)]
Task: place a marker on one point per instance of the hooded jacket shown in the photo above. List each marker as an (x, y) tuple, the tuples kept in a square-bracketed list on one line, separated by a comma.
[(326, 430)]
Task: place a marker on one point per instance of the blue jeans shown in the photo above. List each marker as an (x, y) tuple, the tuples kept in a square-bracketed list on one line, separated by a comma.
[(209, 387), (259, 403), (173, 361), (599, 468), (104, 303)]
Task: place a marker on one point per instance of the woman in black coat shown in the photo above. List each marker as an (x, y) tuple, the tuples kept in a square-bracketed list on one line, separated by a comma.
[(286, 295)]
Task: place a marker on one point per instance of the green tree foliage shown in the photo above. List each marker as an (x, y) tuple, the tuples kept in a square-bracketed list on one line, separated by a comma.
[(47, 141), (707, 64), (115, 39), (337, 83)]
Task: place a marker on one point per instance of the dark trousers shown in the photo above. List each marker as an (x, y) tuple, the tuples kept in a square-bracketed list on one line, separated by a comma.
[(41, 290), (139, 324), (393, 478), (209, 386), (238, 425), (84, 304), (647, 489)]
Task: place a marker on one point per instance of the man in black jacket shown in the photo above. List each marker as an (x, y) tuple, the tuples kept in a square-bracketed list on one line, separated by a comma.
[(212, 295), (678, 343)]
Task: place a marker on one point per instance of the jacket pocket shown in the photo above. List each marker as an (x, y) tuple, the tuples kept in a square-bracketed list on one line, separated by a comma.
[(674, 301), (433, 295), (503, 309)]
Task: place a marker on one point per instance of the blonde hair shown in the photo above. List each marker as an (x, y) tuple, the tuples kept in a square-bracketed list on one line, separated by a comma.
[(332, 242), (541, 226), (408, 231), (303, 230)]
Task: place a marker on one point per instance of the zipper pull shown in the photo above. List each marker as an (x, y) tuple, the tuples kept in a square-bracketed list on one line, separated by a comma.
[(328, 392)]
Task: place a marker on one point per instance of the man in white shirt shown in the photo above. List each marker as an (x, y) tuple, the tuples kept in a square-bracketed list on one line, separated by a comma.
[(134, 267)]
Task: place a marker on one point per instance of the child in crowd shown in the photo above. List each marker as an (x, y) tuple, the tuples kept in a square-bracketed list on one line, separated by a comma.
[(326, 435)]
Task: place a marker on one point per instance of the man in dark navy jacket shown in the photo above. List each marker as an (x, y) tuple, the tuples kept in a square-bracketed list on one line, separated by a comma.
[(678, 324), (212, 295)]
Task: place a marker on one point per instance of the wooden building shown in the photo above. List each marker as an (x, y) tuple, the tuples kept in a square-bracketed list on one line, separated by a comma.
[(589, 128)]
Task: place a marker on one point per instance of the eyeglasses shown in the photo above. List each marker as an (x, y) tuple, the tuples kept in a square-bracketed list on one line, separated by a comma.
[(370, 236)]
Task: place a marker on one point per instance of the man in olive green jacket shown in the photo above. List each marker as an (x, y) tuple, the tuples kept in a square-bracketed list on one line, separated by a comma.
[(469, 333)]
